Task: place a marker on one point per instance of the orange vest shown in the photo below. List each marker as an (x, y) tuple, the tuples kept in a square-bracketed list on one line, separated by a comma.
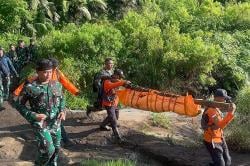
[(108, 88), (214, 133), (56, 75), (19, 89)]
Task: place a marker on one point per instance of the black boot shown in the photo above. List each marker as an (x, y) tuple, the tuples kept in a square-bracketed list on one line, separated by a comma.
[(89, 110), (117, 135), (104, 126)]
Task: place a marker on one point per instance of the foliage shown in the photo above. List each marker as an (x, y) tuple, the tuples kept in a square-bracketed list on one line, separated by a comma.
[(237, 16), (108, 163), (243, 58), (143, 43), (81, 51), (75, 103), (9, 38), (12, 14), (233, 76), (172, 45), (238, 135), (243, 102)]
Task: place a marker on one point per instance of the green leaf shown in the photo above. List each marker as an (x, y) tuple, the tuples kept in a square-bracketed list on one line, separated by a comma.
[(34, 4), (41, 29), (85, 12), (99, 4)]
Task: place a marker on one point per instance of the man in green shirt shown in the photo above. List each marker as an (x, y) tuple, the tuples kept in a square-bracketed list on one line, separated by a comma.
[(45, 112)]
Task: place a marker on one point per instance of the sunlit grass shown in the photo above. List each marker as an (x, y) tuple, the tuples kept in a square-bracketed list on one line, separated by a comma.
[(92, 162), (160, 120)]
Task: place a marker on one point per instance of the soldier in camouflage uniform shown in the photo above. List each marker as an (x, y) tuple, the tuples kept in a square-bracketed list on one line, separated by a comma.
[(45, 113), (22, 55), (32, 50), (12, 54), (13, 58), (1, 93), (7, 70), (3, 70)]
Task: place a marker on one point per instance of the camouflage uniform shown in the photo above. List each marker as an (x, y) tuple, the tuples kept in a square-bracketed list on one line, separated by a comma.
[(44, 99), (13, 57), (1, 92), (32, 52), (22, 57), (7, 69)]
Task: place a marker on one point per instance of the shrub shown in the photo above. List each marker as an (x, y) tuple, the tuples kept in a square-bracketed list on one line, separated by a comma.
[(238, 133), (243, 101)]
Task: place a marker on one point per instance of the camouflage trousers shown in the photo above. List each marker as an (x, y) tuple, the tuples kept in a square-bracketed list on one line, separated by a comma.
[(1, 94), (48, 146), (6, 87)]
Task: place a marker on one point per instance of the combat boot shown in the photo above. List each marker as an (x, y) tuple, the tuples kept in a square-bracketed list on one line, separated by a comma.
[(117, 135), (89, 110), (105, 128), (104, 124)]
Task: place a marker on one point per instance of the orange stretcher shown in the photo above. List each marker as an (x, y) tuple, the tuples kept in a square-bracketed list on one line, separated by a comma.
[(156, 101), (56, 75)]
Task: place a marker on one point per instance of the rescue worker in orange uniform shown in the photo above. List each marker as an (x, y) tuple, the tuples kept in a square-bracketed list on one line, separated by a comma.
[(99, 77), (213, 125), (110, 101)]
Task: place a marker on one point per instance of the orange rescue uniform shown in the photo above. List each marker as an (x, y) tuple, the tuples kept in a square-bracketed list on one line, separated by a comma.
[(215, 132), (109, 88)]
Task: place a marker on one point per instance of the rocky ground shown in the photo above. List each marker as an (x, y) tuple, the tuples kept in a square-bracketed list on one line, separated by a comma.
[(144, 143)]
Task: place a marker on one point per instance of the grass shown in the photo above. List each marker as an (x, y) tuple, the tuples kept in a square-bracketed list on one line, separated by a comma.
[(238, 134), (92, 162), (75, 102), (160, 120)]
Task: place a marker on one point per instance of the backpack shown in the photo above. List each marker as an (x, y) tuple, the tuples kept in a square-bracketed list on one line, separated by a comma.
[(97, 80), (96, 84), (204, 120)]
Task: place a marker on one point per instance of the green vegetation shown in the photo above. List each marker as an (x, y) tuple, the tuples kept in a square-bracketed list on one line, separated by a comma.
[(108, 163), (160, 120), (238, 133), (174, 45)]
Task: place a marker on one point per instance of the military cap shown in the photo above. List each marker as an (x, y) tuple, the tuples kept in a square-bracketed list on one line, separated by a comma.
[(222, 93), (44, 64)]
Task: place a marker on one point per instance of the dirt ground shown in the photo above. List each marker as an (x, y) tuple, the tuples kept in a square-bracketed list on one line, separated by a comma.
[(145, 143)]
